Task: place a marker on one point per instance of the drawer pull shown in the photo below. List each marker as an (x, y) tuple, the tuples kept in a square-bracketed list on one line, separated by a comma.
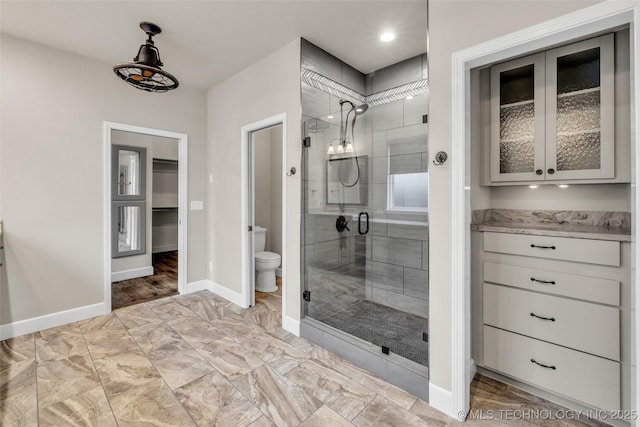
[(548, 282), (544, 366), (542, 247), (542, 318)]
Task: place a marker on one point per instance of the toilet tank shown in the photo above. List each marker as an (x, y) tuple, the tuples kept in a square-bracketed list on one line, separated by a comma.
[(259, 238)]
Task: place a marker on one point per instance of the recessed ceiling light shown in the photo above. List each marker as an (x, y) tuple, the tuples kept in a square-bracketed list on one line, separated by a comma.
[(329, 116), (563, 185), (409, 96), (387, 37), (534, 186)]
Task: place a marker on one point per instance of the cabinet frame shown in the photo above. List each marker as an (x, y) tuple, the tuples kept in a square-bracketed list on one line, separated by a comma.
[(607, 104), (538, 61)]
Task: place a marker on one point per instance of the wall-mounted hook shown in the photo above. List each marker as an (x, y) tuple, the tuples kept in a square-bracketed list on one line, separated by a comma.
[(441, 157), (291, 172)]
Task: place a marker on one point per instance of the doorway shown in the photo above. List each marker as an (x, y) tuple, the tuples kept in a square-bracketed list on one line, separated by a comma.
[(264, 202), (265, 210), (145, 214)]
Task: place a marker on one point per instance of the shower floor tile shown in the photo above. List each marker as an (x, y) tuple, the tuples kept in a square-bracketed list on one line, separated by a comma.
[(383, 325)]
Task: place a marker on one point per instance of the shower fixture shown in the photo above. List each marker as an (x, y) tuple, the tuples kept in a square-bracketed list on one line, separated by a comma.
[(345, 145), (145, 73)]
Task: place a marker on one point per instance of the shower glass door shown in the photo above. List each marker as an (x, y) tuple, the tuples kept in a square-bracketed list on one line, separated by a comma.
[(364, 223)]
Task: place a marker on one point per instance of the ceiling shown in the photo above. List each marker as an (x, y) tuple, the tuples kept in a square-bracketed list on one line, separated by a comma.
[(204, 42)]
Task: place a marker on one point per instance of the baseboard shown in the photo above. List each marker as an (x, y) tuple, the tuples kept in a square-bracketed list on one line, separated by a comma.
[(164, 248), (118, 276), (200, 285), (472, 370), (21, 327), (292, 325), (442, 400), (226, 293)]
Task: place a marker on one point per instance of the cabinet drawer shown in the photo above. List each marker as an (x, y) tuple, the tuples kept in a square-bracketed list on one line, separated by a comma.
[(595, 289), (589, 379), (562, 248), (588, 327)]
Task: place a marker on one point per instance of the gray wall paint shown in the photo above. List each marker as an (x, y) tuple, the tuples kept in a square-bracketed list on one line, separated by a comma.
[(51, 170), (270, 86)]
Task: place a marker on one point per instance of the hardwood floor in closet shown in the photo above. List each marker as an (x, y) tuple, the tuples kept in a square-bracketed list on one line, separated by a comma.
[(163, 283)]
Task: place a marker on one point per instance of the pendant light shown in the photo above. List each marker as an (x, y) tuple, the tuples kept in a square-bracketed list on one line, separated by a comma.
[(145, 72)]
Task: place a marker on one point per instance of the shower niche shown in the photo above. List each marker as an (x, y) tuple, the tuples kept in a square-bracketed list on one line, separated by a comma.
[(365, 227)]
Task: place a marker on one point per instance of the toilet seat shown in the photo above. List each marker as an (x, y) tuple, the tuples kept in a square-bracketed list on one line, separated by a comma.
[(267, 256)]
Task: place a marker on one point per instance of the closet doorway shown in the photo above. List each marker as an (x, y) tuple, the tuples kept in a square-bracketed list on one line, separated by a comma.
[(145, 204)]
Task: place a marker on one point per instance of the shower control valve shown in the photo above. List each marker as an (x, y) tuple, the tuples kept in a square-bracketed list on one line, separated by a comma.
[(342, 224)]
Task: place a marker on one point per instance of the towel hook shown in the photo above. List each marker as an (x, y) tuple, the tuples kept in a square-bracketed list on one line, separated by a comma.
[(441, 157), (291, 172)]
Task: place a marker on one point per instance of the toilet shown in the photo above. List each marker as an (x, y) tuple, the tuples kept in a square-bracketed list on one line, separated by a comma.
[(266, 263)]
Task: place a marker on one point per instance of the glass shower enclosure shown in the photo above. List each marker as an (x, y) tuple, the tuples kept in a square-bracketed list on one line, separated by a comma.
[(365, 230)]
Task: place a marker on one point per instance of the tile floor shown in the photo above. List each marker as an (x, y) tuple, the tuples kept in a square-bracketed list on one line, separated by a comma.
[(196, 360)]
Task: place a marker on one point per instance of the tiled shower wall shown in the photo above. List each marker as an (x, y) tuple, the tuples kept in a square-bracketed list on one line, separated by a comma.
[(390, 264)]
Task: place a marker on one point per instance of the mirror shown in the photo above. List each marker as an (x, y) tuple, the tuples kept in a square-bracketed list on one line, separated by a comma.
[(128, 173), (347, 180), (128, 228), (128, 165)]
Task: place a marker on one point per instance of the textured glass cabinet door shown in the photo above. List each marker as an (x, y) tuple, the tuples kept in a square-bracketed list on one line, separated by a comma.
[(518, 119), (580, 110)]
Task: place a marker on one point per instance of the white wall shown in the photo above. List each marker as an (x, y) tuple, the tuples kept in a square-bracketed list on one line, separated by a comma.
[(268, 185), (270, 86), (51, 169), (277, 171), (455, 25), (262, 181)]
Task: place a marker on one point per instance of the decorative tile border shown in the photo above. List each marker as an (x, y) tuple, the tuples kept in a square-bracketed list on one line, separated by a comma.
[(334, 88)]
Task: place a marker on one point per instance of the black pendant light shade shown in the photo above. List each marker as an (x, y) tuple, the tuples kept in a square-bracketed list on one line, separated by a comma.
[(145, 72)]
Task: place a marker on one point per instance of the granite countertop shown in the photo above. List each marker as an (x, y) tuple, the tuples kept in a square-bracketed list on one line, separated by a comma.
[(614, 226), (557, 230)]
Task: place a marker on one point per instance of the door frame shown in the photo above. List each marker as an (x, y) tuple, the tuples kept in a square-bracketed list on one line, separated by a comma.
[(589, 21), (183, 142), (247, 198)]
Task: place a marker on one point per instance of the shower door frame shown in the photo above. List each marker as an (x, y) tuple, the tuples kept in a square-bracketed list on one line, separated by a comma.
[(595, 19)]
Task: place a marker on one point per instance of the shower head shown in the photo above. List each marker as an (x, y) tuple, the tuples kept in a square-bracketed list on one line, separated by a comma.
[(360, 109)]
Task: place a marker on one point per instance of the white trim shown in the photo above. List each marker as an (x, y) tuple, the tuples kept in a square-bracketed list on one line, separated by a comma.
[(21, 327), (226, 293), (247, 253), (595, 19), (183, 159), (117, 276), (442, 400), (290, 324), (200, 285)]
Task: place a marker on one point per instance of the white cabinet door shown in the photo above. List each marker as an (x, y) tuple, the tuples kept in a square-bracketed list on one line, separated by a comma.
[(580, 110), (518, 119)]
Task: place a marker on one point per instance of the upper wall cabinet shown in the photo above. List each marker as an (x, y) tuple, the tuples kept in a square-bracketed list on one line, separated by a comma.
[(553, 115)]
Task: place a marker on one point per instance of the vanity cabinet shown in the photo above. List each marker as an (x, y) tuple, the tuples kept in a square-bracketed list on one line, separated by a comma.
[(552, 115), (553, 315)]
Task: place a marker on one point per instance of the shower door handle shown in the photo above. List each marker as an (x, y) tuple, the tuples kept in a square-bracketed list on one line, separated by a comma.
[(360, 223)]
